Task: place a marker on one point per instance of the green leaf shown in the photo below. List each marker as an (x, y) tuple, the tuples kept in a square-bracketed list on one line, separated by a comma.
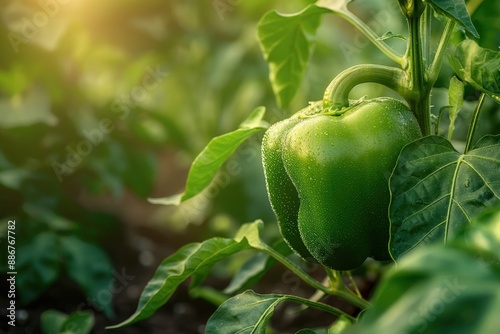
[(389, 35), (455, 10), (38, 266), (484, 237), (53, 321), (477, 66), (245, 313), (254, 269), (219, 149), (456, 101), (181, 265), (250, 312), (436, 191), (90, 267), (287, 41), (436, 289)]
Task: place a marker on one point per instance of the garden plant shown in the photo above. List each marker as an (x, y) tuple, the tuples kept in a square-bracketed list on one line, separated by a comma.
[(351, 179)]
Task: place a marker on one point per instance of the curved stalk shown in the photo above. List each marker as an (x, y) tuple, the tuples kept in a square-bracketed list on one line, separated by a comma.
[(320, 306), (426, 28), (344, 293), (473, 125), (371, 35), (337, 93), (439, 57)]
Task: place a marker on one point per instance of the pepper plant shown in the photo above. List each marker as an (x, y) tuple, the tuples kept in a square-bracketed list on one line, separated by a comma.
[(351, 179)]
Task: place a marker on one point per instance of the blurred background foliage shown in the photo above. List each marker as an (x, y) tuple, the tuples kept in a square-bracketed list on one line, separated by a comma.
[(106, 103)]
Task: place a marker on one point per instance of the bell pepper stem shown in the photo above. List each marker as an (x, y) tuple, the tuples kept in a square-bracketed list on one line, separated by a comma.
[(337, 93), (342, 292)]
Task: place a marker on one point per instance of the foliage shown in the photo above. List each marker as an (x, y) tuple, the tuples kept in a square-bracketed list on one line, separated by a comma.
[(87, 113), (57, 322), (89, 108), (437, 193)]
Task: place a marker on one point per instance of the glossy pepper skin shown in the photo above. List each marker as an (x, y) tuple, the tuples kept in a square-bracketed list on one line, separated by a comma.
[(327, 179)]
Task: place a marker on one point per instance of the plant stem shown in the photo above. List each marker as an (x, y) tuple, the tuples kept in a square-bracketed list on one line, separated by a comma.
[(320, 306), (440, 52), (345, 293), (419, 98), (425, 31), (473, 125), (371, 35), (472, 5), (353, 284), (337, 93)]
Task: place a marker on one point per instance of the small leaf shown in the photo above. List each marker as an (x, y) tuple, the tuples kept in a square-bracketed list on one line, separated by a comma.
[(389, 35), (456, 10), (477, 66), (181, 265), (254, 269), (436, 191), (90, 267), (219, 149), (254, 120), (287, 42), (436, 289), (245, 313), (456, 101)]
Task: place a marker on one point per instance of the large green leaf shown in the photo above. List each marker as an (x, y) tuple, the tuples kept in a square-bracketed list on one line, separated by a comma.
[(436, 191), (187, 261), (219, 149), (456, 10), (90, 267), (250, 312), (245, 313), (287, 42), (435, 289), (477, 66)]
